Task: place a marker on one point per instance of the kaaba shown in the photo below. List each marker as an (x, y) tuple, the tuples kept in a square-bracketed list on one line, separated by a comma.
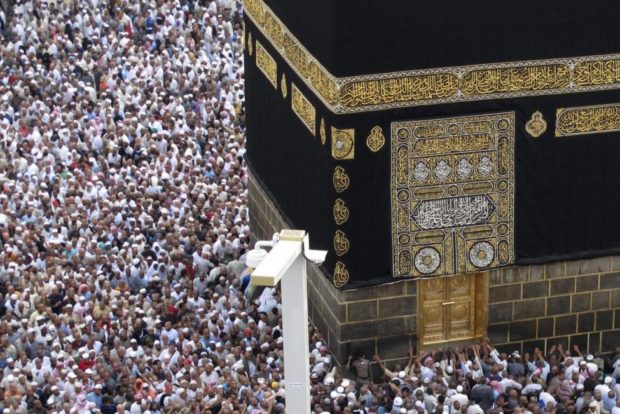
[(460, 161)]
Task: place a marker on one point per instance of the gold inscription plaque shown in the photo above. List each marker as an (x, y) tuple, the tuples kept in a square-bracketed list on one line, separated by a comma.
[(452, 189), (267, 64), (587, 120), (341, 243), (537, 125), (343, 144), (341, 275), (303, 108), (376, 139), (341, 179)]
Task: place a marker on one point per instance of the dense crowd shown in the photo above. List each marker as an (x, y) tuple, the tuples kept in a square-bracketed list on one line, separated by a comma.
[(124, 228), (475, 380), (123, 213)]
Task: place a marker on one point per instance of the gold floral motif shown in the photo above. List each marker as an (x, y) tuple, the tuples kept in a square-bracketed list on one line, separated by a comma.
[(452, 188), (303, 108), (283, 86), (384, 91), (537, 125), (376, 139), (341, 212), (341, 275), (343, 144), (267, 64), (341, 179), (249, 45), (341, 243), (587, 120), (323, 132)]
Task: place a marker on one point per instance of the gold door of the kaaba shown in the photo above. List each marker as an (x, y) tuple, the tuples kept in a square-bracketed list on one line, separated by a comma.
[(452, 309)]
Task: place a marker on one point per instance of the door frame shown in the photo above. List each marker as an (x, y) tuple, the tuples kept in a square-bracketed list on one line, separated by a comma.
[(480, 314)]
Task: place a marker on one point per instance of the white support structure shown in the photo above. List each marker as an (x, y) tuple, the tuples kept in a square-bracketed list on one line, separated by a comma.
[(286, 262)]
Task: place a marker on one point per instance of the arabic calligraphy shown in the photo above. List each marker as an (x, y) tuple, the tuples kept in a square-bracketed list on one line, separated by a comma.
[(341, 212), (477, 142), (341, 179), (343, 144), (267, 64), (341, 243), (517, 79), (341, 275), (452, 188), (587, 120), (303, 109), (376, 139), (453, 212), (537, 125), (383, 91)]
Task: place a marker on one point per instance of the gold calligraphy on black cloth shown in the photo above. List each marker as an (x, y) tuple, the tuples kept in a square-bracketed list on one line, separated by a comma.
[(587, 120), (373, 92), (452, 190)]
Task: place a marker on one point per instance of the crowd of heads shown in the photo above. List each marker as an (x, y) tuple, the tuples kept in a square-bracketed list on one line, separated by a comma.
[(123, 213), (477, 379), (124, 228)]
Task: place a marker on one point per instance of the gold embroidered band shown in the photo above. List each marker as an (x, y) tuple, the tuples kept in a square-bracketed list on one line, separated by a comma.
[(587, 120), (383, 91)]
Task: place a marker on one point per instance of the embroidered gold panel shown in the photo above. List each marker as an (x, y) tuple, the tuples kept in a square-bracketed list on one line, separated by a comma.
[(267, 64), (383, 91), (587, 120), (537, 125), (452, 191), (303, 108), (343, 144)]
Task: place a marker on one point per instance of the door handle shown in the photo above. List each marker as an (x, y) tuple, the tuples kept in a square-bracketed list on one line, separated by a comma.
[(448, 303)]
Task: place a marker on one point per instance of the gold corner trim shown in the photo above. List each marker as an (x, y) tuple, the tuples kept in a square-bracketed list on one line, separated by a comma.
[(341, 212), (323, 132), (267, 64), (376, 139), (586, 120), (341, 243), (383, 91), (341, 275), (340, 179), (283, 86), (249, 45), (304, 110), (343, 144), (537, 125)]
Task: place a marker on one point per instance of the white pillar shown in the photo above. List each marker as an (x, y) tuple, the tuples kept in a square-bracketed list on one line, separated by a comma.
[(286, 264), (296, 342)]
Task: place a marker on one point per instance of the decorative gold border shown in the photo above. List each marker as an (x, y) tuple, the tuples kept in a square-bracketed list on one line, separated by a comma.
[(267, 64), (303, 109), (375, 92), (586, 120)]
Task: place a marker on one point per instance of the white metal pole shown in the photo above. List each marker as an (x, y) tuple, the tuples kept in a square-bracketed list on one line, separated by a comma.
[(295, 327)]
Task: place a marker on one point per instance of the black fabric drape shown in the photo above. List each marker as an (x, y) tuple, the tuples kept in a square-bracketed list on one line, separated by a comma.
[(567, 200)]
